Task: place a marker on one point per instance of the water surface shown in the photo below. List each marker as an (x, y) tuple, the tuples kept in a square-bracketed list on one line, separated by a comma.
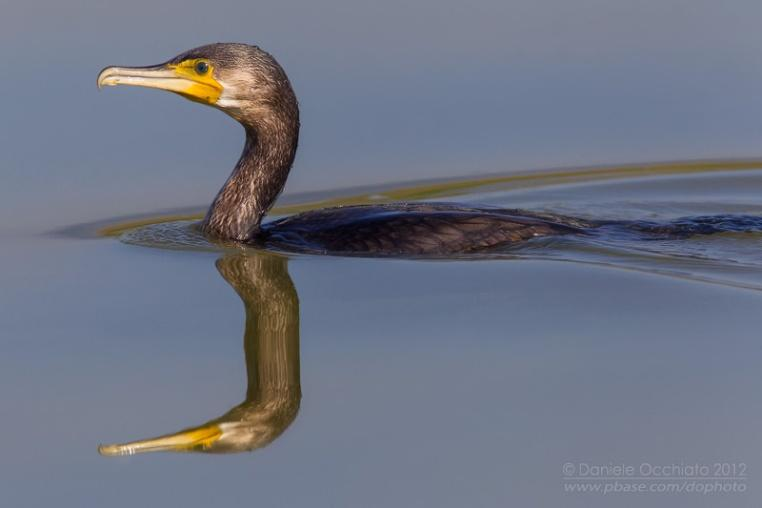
[(422, 383)]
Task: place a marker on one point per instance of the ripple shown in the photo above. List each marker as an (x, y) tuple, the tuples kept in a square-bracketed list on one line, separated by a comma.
[(173, 235), (646, 192)]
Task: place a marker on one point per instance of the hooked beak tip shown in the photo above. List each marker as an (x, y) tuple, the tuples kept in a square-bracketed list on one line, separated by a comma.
[(112, 450), (107, 77)]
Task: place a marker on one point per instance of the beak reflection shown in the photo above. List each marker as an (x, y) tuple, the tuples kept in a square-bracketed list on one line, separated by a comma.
[(271, 349)]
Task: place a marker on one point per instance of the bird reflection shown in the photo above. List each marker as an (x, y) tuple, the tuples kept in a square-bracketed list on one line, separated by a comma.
[(271, 347)]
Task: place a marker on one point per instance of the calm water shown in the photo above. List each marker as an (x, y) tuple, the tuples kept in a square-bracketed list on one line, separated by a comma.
[(451, 383), (458, 383)]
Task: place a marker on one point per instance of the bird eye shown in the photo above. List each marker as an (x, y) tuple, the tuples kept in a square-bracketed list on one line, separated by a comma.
[(202, 67)]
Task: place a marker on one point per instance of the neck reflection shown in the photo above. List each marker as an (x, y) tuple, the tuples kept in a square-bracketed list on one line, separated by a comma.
[(271, 347)]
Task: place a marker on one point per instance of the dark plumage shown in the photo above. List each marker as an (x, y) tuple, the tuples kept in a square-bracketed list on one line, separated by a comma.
[(409, 229), (249, 85)]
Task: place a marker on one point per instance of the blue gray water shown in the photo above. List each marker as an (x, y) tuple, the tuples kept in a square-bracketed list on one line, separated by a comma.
[(424, 383)]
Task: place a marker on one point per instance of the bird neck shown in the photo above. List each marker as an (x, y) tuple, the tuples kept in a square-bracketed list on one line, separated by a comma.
[(257, 180)]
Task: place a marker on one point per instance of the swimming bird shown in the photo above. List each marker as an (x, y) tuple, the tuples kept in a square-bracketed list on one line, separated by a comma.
[(248, 84)]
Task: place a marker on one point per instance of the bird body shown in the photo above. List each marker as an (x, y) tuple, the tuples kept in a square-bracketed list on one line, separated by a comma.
[(250, 86), (409, 229)]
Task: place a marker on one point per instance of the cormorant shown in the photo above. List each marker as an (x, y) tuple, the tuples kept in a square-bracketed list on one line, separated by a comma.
[(249, 85)]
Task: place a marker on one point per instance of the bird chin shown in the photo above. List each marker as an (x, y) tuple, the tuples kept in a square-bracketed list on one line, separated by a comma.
[(233, 107)]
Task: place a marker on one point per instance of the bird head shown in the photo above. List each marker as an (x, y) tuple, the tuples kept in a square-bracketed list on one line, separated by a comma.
[(242, 80)]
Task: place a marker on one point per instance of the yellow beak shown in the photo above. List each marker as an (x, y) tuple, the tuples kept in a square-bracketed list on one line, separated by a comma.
[(179, 78), (194, 439)]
